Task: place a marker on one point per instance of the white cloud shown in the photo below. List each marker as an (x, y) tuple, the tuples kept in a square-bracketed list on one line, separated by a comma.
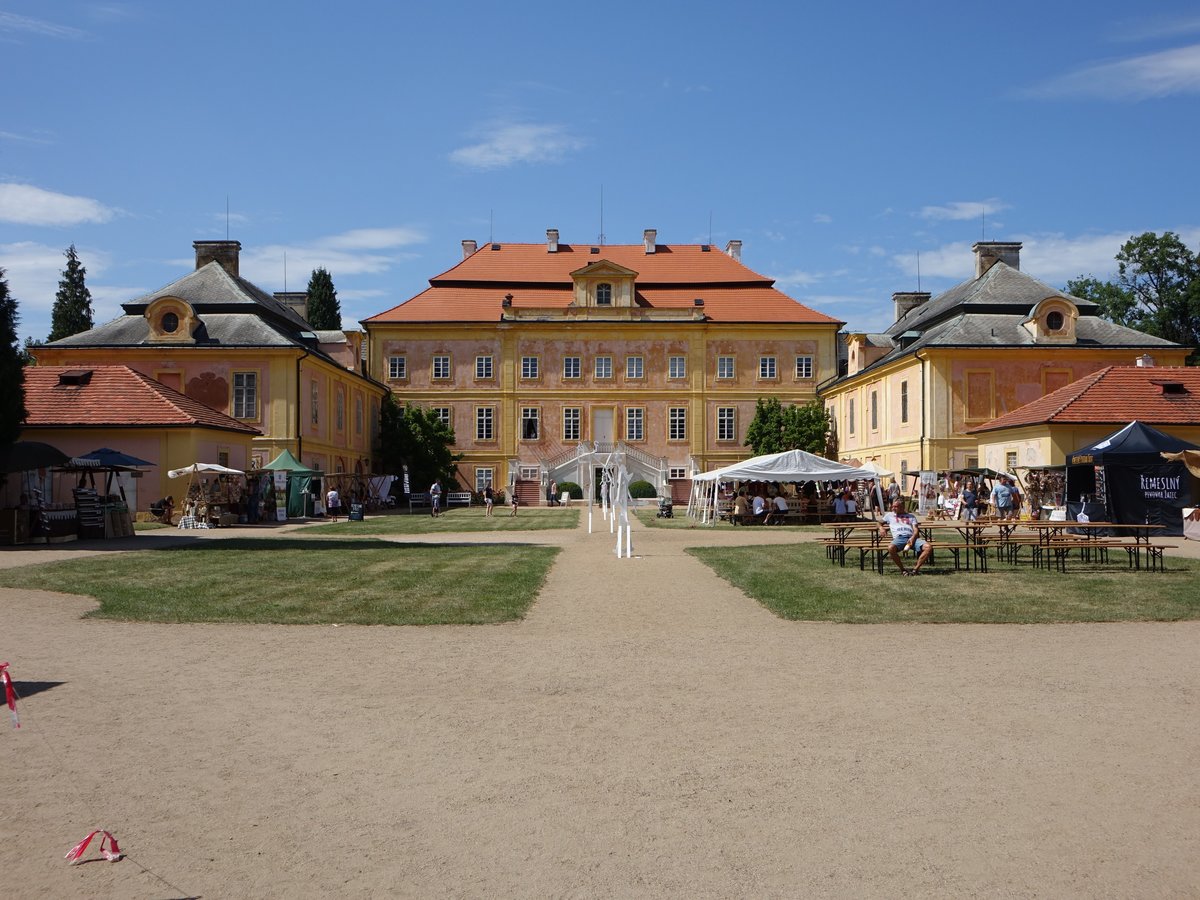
[(1161, 74), (24, 204), (1159, 27), (10, 22), (795, 278), (822, 218), (361, 251), (962, 210), (374, 239), (23, 138), (507, 144), (32, 271)]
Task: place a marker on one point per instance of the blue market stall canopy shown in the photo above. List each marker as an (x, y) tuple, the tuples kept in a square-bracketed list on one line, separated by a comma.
[(108, 457)]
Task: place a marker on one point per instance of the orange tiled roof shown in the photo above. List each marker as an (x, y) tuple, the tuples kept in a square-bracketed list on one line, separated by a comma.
[(115, 396), (670, 278), (1113, 395)]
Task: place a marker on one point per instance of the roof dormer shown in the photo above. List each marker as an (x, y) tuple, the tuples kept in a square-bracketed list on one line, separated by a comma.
[(172, 321), (604, 285), (1052, 321)]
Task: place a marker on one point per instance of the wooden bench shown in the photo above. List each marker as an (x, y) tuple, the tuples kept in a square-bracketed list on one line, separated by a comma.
[(1057, 551), (458, 498)]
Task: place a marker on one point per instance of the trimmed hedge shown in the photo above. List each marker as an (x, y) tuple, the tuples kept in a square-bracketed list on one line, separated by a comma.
[(640, 489), (570, 487)]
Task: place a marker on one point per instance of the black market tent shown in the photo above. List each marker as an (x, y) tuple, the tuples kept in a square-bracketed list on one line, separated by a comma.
[(1130, 481), (25, 456), (300, 483)]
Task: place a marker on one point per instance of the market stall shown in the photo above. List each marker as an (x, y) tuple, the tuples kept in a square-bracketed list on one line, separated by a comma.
[(25, 503), (300, 485), (213, 496)]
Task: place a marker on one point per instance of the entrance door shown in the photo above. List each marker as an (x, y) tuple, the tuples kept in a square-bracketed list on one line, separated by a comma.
[(602, 425)]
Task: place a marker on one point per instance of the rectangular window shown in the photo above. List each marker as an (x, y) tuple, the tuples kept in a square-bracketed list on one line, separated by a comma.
[(443, 414), (223, 458), (245, 395), (874, 410), (1010, 460), (571, 366), (358, 415), (484, 475), (316, 403), (604, 367), (484, 430), (676, 473), (441, 367), (766, 368), (397, 367), (635, 420), (529, 423), (529, 367), (726, 423), (904, 401), (529, 473), (677, 423), (677, 367), (850, 416), (571, 419), (483, 367), (633, 367), (724, 366), (340, 409), (804, 367)]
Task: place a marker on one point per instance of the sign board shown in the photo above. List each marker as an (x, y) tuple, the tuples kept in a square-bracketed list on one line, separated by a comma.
[(356, 512)]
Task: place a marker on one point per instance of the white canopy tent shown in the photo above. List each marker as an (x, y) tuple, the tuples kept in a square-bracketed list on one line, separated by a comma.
[(201, 468), (790, 465)]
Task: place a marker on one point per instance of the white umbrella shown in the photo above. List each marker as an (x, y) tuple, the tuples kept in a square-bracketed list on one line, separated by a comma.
[(872, 466), (197, 468)]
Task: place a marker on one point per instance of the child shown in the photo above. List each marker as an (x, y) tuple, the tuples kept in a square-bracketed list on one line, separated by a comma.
[(513, 494)]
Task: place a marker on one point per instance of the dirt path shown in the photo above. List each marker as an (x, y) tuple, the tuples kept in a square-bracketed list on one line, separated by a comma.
[(647, 731)]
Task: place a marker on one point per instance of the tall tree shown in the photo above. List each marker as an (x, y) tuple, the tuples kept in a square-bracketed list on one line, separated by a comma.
[(12, 372), (73, 302), (776, 428), (324, 313), (417, 438), (1157, 289)]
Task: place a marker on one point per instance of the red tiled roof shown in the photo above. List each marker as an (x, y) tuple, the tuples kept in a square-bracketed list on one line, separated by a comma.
[(671, 278), (1114, 395), (115, 396)]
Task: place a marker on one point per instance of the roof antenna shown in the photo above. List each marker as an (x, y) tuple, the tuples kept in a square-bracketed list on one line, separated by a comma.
[(600, 237), (918, 271)]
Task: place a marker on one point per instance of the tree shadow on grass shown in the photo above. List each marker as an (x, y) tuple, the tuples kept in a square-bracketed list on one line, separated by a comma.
[(332, 544)]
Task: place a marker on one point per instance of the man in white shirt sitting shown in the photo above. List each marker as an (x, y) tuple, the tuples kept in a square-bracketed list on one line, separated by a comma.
[(906, 535), (759, 506)]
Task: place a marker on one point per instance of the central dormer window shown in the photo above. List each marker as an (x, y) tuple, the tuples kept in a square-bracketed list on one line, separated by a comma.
[(170, 323), (1054, 321), (604, 294)]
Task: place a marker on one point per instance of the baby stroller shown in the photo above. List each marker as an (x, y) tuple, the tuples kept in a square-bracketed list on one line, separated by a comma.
[(665, 509)]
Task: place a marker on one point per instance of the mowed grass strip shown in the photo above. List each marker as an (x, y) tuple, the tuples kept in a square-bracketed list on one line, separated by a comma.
[(796, 581), (459, 519), (292, 581)]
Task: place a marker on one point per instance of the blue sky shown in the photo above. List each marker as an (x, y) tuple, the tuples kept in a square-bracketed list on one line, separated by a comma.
[(372, 137)]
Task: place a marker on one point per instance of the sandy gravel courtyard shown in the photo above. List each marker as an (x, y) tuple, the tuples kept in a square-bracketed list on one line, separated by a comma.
[(647, 731)]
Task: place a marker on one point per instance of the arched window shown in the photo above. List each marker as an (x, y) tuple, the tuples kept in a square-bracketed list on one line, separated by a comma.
[(604, 294)]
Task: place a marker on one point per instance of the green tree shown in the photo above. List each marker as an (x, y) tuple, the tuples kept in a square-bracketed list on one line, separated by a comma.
[(1157, 289), (776, 428), (12, 372), (324, 313), (72, 312), (417, 438)]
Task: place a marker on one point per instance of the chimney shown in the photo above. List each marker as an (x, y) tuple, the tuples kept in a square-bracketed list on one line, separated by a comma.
[(906, 301), (988, 253), (551, 240), (469, 247), (1145, 361), (649, 239), (734, 249), (297, 301), (224, 252)]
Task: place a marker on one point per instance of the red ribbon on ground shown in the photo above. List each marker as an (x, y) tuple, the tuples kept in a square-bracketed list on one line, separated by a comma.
[(10, 694), (112, 854)]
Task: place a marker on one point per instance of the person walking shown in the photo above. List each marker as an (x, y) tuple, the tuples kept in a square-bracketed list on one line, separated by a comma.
[(553, 498), (435, 498), (1002, 499), (967, 506), (333, 503), (489, 500), (513, 494)]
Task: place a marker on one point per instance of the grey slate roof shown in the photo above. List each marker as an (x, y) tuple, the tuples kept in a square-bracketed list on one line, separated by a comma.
[(989, 312), (218, 329)]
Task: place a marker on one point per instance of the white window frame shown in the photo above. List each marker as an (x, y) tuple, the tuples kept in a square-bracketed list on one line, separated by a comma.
[(531, 414), (804, 367), (485, 423), (677, 367), (726, 423), (635, 423), (529, 473), (677, 423), (677, 473), (484, 475), (530, 366), (603, 368), (572, 423), (245, 395), (768, 370), (444, 413), (726, 368), (635, 367), (572, 367), (904, 402), (439, 367), (397, 368), (604, 294), (484, 367)]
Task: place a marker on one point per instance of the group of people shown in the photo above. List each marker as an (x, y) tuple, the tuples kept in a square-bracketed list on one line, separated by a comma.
[(768, 510)]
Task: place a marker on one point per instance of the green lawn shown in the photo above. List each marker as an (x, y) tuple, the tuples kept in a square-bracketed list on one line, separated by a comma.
[(458, 519), (649, 518), (294, 581), (796, 581)]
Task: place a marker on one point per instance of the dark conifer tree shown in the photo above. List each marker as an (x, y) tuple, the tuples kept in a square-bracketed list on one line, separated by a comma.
[(12, 372), (73, 303), (324, 313)]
